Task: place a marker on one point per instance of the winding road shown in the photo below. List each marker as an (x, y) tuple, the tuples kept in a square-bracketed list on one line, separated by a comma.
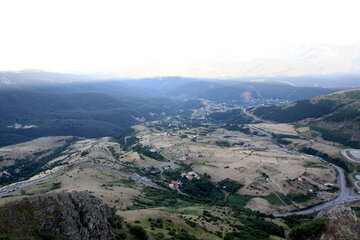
[(345, 196), (136, 178), (260, 131), (25, 184), (255, 117), (347, 154)]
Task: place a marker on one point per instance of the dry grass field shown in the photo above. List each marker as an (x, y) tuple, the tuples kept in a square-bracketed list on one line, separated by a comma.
[(282, 128), (40, 146), (247, 165), (82, 174)]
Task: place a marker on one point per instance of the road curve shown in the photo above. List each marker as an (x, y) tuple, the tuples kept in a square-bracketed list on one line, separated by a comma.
[(255, 117), (349, 158), (268, 135), (345, 195), (25, 184), (136, 178)]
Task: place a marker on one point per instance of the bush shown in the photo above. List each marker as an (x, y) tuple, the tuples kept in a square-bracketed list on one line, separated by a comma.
[(299, 197), (310, 230), (183, 235), (138, 232), (230, 185), (223, 143), (203, 188), (146, 151)]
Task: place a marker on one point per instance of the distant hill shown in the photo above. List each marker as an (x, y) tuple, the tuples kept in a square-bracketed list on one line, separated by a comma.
[(195, 88), (246, 93), (25, 115), (235, 116), (37, 77), (336, 116), (251, 92), (336, 80), (70, 83)]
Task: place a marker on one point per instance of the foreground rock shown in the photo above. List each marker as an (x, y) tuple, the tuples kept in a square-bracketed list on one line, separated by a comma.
[(338, 223), (76, 215), (341, 223)]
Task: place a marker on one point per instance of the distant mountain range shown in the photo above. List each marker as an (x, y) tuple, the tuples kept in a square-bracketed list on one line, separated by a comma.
[(236, 91)]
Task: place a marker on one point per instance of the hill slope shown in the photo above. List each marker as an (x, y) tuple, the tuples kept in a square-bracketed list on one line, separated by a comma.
[(251, 92), (336, 116)]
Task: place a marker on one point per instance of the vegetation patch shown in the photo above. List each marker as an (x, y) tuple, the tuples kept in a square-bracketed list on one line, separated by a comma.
[(336, 161), (230, 185), (146, 152), (310, 230), (274, 199), (239, 200), (223, 143), (300, 197)]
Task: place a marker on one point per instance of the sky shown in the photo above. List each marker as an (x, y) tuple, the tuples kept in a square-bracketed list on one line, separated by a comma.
[(142, 38)]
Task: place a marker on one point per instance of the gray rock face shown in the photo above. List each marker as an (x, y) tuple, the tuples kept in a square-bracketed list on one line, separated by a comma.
[(76, 215), (341, 224)]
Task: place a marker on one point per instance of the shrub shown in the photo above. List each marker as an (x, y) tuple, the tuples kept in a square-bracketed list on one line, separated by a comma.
[(138, 232)]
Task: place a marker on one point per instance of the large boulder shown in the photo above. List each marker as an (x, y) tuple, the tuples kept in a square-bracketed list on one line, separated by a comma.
[(75, 215)]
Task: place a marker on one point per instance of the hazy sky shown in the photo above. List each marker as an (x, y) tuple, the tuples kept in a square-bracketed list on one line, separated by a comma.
[(122, 37)]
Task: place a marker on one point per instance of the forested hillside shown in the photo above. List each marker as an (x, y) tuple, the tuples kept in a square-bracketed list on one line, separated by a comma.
[(248, 92), (336, 116), (26, 115), (235, 116)]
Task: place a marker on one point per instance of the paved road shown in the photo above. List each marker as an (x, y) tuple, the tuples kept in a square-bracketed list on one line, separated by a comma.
[(255, 117), (357, 185), (136, 178), (259, 130), (349, 158), (25, 184), (344, 197)]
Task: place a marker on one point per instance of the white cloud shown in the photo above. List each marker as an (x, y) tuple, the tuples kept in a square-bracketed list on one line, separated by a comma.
[(160, 37)]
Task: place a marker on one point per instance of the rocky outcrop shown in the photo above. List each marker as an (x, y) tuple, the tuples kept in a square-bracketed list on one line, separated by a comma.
[(341, 224), (76, 215)]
